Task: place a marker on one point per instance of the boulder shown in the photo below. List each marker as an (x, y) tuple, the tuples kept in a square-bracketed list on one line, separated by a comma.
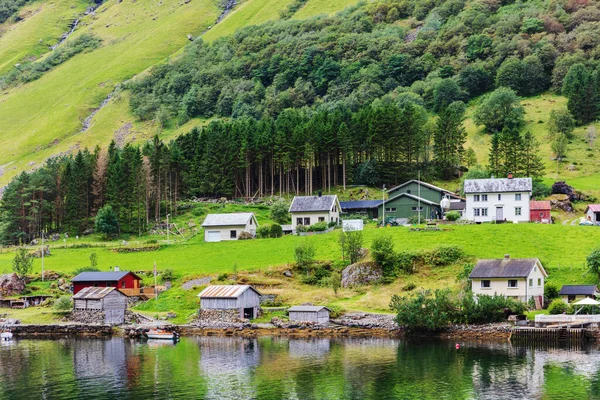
[(287, 273), (11, 285), (361, 273)]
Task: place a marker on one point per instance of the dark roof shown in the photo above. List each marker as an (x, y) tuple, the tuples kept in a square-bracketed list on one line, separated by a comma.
[(312, 203), (458, 205), (588, 290), (429, 185), (102, 276), (498, 185), (355, 205), (412, 196), (504, 268)]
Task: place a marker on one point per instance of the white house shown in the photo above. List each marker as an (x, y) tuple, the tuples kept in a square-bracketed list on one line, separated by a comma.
[(308, 210), (592, 213), (517, 278), (218, 227), (505, 199)]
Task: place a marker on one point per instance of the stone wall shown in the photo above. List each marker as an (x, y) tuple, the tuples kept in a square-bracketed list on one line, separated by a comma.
[(87, 316), (221, 318), (53, 330)]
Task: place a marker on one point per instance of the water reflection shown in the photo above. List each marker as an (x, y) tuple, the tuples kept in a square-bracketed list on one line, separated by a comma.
[(285, 368)]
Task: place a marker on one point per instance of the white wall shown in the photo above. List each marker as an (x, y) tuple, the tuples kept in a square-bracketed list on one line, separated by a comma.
[(314, 217), (507, 202), (523, 292), (225, 230)]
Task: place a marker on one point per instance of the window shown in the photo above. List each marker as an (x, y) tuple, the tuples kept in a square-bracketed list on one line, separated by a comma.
[(513, 283), (484, 197), (499, 197), (232, 234), (409, 191), (571, 298), (517, 196), (517, 210), (476, 197), (484, 212), (321, 219), (530, 282), (477, 212), (390, 209), (123, 285), (298, 221), (541, 215), (486, 284), (539, 281), (417, 208), (307, 221)]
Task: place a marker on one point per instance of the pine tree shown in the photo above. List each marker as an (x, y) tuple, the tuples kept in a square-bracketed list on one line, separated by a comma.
[(449, 139), (580, 89), (532, 163)]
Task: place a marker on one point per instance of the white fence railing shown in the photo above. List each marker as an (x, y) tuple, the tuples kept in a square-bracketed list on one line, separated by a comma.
[(567, 318)]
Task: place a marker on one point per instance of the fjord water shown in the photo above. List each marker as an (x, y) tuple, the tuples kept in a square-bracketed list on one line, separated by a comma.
[(282, 368)]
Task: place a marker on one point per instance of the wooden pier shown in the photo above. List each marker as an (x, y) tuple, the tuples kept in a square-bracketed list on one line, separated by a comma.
[(547, 335)]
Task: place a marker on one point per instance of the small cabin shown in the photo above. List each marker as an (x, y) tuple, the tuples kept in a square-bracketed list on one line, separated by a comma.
[(539, 211), (316, 314), (220, 227), (572, 293), (116, 279), (592, 213), (243, 298), (102, 299)]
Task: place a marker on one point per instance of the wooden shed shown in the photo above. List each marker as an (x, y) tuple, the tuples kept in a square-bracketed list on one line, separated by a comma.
[(102, 299), (316, 314), (540, 211), (243, 298)]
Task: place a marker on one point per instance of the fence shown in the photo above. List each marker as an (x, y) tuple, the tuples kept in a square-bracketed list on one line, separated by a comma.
[(561, 318)]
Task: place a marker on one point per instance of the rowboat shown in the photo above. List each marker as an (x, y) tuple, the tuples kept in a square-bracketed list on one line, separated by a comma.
[(161, 334), (6, 336)]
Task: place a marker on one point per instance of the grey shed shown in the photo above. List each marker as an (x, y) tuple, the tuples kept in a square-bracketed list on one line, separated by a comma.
[(316, 314), (243, 298), (102, 299)]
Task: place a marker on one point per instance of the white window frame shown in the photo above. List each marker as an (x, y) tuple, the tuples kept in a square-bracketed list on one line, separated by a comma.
[(518, 211), (416, 209), (390, 209), (484, 212), (476, 197), (484, 197), (477, 212), (517, 196)]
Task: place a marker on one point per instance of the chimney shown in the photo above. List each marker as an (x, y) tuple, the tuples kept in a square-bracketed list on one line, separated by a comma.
[(117, 269), (320, 193), (507, 256), (510, 175)]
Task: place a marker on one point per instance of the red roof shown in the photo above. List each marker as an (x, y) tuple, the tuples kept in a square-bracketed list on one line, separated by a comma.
[(593, 207), (539, 205)]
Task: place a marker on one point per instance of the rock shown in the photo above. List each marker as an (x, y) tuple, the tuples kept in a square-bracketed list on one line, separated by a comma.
[(54, 237), (288, 273), (361, 273), (196, 282), (11, 285), (88, 232), (366, 320), (561, 202), (171, 315), (38, 252)]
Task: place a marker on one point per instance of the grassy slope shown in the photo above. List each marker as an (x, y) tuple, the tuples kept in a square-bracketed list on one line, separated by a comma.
[(42, 26), (41, 119), (317, 7)]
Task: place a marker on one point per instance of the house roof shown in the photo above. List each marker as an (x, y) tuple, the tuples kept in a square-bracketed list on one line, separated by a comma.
[(355, 205), (593, 207), (498, 185), (412, 196), (232, 219), (308, 308), (94, 293), (225, 291), (313, 203), (458, 205), (429, 185), (505, 268), (588, 290), (539, 205), (111, 276)]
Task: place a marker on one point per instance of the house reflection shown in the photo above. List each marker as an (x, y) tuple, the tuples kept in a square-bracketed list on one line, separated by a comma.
[(309, 348), (101, 359)]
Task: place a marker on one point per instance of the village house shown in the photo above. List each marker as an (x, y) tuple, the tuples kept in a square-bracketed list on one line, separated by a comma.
[(499, 200), (219, 227), (539, 211), (518, 278), (406, 200), (241, 300), (592, 213), (572, 293), (316, 314), (308, 210), (107, 303), (117, 279)]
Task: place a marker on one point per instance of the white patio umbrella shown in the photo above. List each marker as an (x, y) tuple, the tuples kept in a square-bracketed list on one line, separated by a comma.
[(586, 302)]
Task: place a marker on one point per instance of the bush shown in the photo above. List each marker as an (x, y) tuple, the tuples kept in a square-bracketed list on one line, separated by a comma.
[(488, 309), (550, 291), (245, 236), (279, 212), (382, 251), (335, 311), (558, 307), (351, 245), (318, 227), (414, 219), (275, 231), (222, 277), (409, 287), (304, 254), (263, 232), (167, 275), (452, 215), (198, 211), (63, 303), (107, 221), (301, 229), (443, 256), (593, 262), (332, 224), (427, 311)]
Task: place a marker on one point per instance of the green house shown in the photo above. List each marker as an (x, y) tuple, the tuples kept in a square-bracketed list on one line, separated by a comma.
[(423, 190), (405, 205)]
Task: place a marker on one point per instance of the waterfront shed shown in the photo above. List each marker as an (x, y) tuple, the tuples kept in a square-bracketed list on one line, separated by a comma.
[(102, 299), (243, 298), (317, 314)]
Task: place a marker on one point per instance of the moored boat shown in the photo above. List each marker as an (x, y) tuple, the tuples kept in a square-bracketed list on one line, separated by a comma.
[(161, 334), (6, 336)]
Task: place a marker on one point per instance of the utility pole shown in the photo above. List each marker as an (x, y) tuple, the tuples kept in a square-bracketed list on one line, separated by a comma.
[(42, 255), (419, 195), (168, 230), (383, 220)]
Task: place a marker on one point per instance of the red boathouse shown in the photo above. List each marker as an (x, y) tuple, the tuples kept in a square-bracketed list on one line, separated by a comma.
[(116, 279)]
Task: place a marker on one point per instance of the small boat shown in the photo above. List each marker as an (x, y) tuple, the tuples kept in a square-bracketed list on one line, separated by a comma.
[(6, 336), (161, 334)]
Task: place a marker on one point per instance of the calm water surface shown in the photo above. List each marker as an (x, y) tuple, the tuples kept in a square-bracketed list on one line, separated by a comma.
[(276, 368)]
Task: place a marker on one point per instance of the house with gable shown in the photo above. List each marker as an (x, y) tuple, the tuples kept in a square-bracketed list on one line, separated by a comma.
[(308, 210), (499, 200)]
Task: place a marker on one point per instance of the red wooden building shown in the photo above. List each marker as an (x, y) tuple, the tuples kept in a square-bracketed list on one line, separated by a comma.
[(539, 211), (116, 279)]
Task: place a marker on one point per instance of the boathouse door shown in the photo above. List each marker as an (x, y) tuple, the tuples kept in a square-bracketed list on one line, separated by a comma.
[(114, 317)]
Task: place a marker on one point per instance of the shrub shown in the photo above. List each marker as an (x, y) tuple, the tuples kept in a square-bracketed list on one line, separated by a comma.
[(427, 311), (279, 212), (318, 227), (222, 277), (409, 287), (382, 251), (167, 275), (263, 231), (351, 244), (414, 219), (558, 307), (406, 261), (452, 215), (446, 255), (332, 224), (63, 303), (550, 291), (488, 309), (301, 229), (593, 262), (304, 254), (275, 231), (198, 211), (107, 221), (335, 311)]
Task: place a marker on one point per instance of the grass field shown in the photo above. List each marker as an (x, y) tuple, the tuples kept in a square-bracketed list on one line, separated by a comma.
[(317, 7)]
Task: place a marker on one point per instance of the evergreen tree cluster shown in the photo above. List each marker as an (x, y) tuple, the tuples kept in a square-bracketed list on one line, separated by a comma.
[(581, 86), (514, 153)]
